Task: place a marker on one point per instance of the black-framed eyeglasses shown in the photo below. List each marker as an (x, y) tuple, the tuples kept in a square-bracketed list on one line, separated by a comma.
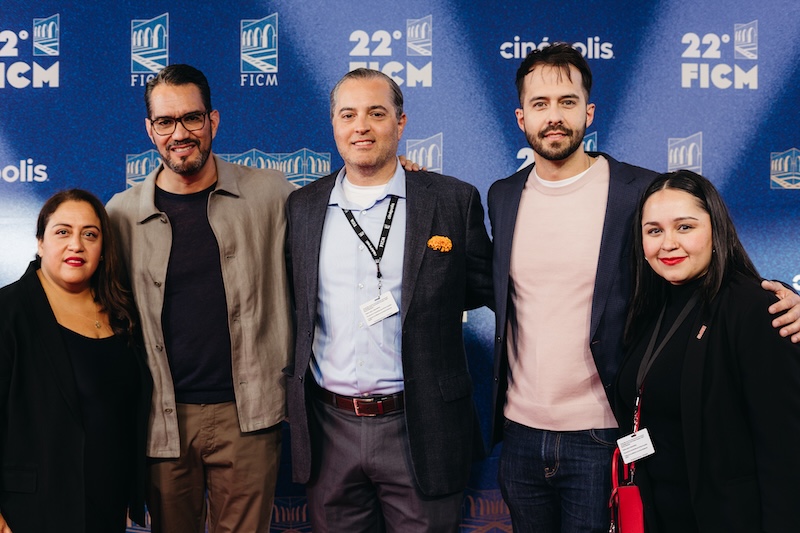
[(190, 121)]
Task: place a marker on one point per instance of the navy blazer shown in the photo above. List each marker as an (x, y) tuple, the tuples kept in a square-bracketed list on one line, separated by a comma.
[(443, 432), (41, 431), (612, 283)]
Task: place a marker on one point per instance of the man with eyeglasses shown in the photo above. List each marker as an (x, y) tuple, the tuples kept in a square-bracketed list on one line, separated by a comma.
[(203, 242)]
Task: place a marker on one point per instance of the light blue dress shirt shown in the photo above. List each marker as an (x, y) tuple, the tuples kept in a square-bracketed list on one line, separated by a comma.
[(351, 358)]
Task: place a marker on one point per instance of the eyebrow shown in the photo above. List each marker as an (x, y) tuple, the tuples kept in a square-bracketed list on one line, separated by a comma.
[(562, 97), (56, 224), (370, 108), (677, 219), (180, 116)]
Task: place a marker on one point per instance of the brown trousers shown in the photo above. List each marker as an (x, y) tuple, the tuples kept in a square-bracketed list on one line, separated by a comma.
[(237, 471)]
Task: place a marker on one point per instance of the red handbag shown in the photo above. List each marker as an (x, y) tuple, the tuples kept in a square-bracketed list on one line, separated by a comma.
[(627, 513)]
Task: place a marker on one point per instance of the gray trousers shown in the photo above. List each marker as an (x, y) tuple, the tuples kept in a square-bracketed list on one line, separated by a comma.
[(362, 479)]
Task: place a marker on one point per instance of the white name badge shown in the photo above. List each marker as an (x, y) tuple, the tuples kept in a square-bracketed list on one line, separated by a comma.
[(381, 307), (635, 446)]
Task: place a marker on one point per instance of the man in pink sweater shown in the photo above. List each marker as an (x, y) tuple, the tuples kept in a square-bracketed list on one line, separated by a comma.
[(561, 230)]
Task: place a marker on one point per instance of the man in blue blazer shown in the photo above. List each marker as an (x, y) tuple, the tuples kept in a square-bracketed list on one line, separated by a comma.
[(383, 263), (561, 230)]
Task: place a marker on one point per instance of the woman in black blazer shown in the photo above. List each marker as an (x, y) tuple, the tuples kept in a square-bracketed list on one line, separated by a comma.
[(719, 389), (74, 388)]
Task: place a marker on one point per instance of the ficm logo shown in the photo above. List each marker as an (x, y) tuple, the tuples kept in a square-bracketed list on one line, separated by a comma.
[(24, 171), (259, 51), (24, 73)]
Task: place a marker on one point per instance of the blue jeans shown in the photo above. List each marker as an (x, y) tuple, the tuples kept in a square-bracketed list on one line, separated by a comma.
[(556, 482)]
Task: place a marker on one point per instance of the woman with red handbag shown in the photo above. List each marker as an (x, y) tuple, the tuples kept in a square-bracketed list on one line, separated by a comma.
[(712, 390)]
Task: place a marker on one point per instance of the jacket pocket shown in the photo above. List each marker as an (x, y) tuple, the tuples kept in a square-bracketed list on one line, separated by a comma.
[(18, 479), (455, 387)]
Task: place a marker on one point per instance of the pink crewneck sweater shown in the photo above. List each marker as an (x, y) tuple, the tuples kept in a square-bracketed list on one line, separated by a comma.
[(553, 382)]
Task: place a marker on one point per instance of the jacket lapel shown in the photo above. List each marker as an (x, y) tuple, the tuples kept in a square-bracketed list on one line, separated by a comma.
[(315, 213), (53, 353), (691, 393), (504, 223), (622, 198), (420, 204)]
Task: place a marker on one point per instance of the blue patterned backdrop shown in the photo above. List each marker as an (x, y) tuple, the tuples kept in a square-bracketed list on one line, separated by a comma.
[(703, 84)]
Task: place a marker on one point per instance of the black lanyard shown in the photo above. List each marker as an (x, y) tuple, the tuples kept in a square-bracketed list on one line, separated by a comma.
[(375, 251), (650, 355), (650, 358)]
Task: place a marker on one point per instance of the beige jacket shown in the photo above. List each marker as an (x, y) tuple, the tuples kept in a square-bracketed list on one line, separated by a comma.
[(246, 213)]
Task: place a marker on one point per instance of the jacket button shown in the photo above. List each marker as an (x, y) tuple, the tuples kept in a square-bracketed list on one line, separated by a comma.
[(168, 410), (157, 283), (159, 347)]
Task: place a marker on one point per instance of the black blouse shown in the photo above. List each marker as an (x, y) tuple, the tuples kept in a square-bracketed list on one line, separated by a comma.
[(107, 381)]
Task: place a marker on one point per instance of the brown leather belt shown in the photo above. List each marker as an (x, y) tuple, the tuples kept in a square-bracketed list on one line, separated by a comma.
[(362, 406)]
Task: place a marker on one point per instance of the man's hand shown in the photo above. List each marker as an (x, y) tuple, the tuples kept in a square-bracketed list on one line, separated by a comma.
[(789, 302), (407, 165), (3, 525)]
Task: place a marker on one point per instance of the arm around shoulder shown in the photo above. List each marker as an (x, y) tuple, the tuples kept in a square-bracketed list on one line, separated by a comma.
[(479, 256), (789, 301)]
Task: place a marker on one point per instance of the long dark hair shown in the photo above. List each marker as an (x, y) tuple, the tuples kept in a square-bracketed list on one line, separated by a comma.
[(728, 257), (109, 281)]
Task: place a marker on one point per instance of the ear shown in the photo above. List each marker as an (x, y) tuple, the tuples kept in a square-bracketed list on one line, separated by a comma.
[(401, 125), (39, 248), (213, 116), (589, 114), (149, 129), (520, 118)]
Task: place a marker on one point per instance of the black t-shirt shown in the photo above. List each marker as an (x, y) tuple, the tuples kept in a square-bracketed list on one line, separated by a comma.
[(195, 314)]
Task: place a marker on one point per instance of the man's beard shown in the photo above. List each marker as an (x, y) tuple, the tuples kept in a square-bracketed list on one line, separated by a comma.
[(573, 141), (186, 167)]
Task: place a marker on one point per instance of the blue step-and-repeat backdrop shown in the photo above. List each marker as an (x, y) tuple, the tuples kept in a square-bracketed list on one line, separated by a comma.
[(708, 85)]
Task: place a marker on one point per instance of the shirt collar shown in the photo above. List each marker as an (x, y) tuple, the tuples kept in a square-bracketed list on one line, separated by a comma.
[(226, 183), (396, 186)]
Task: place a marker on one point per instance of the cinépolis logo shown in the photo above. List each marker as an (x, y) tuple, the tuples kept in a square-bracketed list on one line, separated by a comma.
[(23, 171)]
